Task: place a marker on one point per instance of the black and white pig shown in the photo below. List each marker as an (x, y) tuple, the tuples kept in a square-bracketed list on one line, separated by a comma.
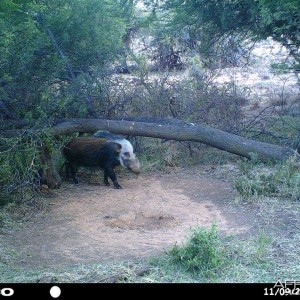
[(104, 152)]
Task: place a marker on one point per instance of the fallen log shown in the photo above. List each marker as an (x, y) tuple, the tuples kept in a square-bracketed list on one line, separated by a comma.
[(186, 132)]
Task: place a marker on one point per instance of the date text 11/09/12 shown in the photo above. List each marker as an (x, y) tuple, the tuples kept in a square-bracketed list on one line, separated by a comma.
[(289, 287), (281, 291)]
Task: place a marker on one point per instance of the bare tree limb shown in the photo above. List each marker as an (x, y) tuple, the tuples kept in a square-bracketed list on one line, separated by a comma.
[(188, 132)]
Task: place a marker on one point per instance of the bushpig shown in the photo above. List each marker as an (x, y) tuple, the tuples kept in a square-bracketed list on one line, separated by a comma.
[(100, 152)]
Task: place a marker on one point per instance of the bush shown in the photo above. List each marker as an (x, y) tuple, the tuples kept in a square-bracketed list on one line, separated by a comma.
[(202, 252), (18, 165), (156, 155), (282, 180), (20, 160)]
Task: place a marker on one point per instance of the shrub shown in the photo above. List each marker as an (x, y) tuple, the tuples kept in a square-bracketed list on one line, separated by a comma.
[(20, 160), (202, 252), (282, 180)]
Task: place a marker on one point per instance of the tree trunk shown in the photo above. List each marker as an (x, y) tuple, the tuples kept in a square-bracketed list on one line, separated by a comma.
[(187, 132), (49, 175)]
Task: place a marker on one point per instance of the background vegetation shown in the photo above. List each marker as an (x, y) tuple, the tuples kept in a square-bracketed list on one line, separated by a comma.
[(64, 59)]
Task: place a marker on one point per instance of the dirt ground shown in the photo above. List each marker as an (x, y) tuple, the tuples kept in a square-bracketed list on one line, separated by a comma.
[(90, 222)]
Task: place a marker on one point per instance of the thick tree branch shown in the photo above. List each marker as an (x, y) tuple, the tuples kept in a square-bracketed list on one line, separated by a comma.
[(188, 132)]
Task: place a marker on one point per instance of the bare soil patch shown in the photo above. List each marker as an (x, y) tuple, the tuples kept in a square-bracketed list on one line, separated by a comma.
[(90, 222)]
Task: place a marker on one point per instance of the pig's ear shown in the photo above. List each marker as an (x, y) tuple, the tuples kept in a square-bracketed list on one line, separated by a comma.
[(117, 147)]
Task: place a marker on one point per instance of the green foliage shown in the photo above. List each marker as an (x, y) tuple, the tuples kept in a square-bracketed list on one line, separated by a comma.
[(54, 55), (201, 253), (88, 31), (284, 126), (282, 180), (262, 244), (214, 23), (285, 67), (280, 19), (156, 155), (20, 162)]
